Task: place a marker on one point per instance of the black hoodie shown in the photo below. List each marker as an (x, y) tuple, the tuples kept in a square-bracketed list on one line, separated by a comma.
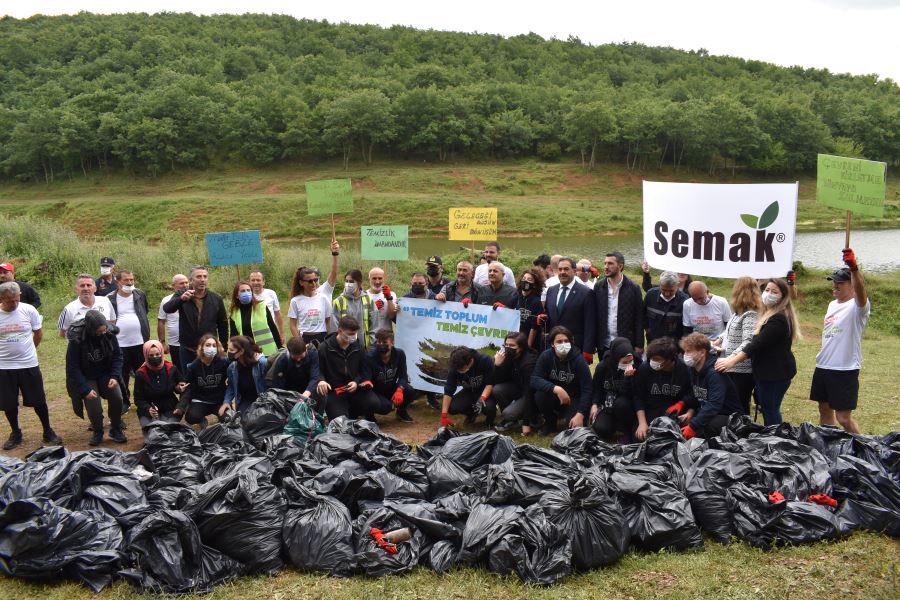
[(610, 381), (340, 366)]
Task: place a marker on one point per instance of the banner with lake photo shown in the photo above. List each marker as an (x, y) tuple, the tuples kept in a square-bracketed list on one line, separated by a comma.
[(720, 230), (428, 331)]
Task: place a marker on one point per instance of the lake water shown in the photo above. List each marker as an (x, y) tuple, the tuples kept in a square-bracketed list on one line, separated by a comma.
[(878, 251)]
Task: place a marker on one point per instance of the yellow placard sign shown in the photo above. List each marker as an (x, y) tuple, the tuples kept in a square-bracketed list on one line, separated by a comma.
[(473, 223)]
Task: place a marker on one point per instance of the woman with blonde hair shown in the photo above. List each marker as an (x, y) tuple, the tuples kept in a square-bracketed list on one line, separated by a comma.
[(774, 365), (740, 329)]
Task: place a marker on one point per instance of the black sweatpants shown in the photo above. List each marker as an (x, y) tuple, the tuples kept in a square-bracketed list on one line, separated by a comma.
[(549, 406), (95, 407), (463, 402), (712, 428), (386, 405), (197, 411), (618, 417), (362, 403), (132, 359)]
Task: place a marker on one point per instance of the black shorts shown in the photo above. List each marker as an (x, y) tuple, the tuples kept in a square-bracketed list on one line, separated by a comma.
[(840, 389), (29, 381)]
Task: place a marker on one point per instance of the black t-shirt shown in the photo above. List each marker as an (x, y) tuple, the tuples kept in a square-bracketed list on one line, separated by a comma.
[(246, 385)]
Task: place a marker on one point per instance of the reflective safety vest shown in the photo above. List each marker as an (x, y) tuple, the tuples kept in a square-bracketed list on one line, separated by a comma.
[(340, 308), (259, 325)]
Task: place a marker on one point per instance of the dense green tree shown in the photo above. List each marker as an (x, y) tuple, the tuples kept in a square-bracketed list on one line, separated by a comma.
[(362, 118)]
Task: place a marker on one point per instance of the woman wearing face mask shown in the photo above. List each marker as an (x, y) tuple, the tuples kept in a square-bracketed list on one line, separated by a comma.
[(353, 303), (714, 396), (531, 282), (94, 371), (385, 367), (206, 377), (741, 326), (156, 384), (251, 318), (770, 349), (662, 386), (246, 374), (512, 392), (562, 382), (612, 409)]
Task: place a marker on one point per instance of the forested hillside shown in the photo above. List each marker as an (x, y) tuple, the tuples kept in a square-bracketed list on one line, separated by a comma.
[(153, 93)]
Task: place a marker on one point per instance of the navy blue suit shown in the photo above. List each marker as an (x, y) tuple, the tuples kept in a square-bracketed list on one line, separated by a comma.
[(579, 314)]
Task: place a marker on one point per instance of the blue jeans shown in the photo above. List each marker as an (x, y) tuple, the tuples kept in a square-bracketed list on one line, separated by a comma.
[(769, 395)]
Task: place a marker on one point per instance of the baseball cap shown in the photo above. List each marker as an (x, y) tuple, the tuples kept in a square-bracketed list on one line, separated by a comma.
[(434, 260), (842, 274), (7, 266), (107, 261)]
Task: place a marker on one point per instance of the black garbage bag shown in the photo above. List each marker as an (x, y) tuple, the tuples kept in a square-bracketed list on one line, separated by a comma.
[(538, 552), (477, 449), (381, 484), (485, 527), (32, 479), (103, 487), (424, 517), (282, 449), (742, 426), (441, 556), (240, 515), (587, 514), (436, 444), (858, 514), (763, 524), (160, 435), (218, 461), (332, 481), (368, 437), (872, 499), (228, 433), (544, 456), (374, 560), (522, 483), (706, 483), (183, 467), (334, 448), (658, 514), (445, 476), (268, 414), (40, 540), (170, 557), (792, 468), (317, 531), (455, 508), (583, 445)]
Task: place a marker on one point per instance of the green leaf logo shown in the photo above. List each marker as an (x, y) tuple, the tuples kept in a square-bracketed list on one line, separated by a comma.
[(767, 218)]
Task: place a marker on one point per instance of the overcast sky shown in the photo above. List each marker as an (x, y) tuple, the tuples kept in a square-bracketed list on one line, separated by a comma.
[(855, 36)]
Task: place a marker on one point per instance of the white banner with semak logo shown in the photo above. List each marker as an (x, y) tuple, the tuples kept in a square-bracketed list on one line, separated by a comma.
[(720, 230)]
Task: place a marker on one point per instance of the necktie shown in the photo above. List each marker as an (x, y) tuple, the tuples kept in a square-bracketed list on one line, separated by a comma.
[(562, 299)]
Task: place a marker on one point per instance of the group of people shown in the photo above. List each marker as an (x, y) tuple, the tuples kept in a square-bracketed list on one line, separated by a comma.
[(678, 350)]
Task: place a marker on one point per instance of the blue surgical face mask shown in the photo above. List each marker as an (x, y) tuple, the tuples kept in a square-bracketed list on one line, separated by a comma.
[(245, 297)]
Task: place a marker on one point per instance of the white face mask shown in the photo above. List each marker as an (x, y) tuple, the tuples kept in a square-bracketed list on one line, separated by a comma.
[(127, 288), (770, 299), (351, 337), (655, 365), (690, 360), (210, 351), (105, 270), (350, 287), (563, 348), (625, 366)]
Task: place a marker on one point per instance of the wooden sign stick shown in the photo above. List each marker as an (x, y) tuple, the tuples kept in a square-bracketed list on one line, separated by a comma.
[(847, 232)]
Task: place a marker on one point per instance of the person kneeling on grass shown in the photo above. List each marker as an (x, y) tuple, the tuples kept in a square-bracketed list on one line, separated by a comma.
[(714, 393), (475, 373), (612, 408), (246, 374), (512, 392), (94, 371), (296, 370), (562, 382), (662, 385), (385, 367), (156, 383), (347, 393), (206, 377)]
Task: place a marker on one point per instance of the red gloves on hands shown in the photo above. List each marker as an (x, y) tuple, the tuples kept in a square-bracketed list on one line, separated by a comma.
[(791, 277), (445, 420), (397, 398), (824, 500), (387, 292), (366, 385), (594, 272), (340, 390), (588, 357), (466, 302), (379, 304), (499, 305), (688, 432), (849, 258), (541, 318), (776, 497), (675, 408)]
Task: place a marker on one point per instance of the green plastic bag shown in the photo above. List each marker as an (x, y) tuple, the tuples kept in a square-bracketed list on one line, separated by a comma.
[(303, 423)]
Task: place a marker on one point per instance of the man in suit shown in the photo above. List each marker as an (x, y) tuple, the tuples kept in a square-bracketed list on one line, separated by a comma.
[(571, 304), (620, 305)]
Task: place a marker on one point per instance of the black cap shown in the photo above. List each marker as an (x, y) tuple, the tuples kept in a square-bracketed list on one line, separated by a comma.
[(107, 261), (434, 260), (842, 274)]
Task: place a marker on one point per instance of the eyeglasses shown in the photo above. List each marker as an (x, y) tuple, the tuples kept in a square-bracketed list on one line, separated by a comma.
[(316, 280)]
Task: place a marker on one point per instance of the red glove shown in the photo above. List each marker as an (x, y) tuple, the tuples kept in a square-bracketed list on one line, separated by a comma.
[(688, 432), (588, 357), (397, 398), (378, 536), (776, 497), (541, 318), (379, 304), (387, 292), (675, 408), (466, 302), (824, 500), (499, 305), (594, 272), (340, 390), (849, 258), (445, 420), (366, 385), (791, 277)]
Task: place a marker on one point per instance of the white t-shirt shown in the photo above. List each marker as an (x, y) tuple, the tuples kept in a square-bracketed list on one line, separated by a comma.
[(75, 310), (17, 349), (612, 305), (128, 323), (842, 335), (310, 312), (270, 298), (171, 320), (710, 318), (481, 275), (549, 283), (378, 319), (326, 289)]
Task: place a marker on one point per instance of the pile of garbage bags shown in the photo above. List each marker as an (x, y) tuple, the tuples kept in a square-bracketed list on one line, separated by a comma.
[(190, 511)]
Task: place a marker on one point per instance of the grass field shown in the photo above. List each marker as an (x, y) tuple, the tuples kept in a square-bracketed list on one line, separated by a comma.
[(68, 225)]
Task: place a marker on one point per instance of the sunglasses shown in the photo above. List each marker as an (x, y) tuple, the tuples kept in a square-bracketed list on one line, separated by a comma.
[(316, 280)]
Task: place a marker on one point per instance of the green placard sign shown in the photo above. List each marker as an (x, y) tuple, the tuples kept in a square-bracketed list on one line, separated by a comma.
[(329, 196), (385, 242), (851, 184)]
